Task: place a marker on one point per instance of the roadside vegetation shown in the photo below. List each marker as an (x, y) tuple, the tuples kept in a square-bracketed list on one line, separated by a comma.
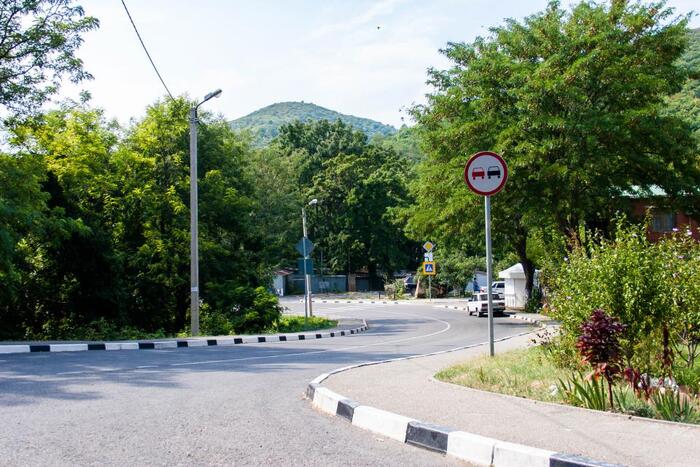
[(585, 104), (629, 334), (300, 324)]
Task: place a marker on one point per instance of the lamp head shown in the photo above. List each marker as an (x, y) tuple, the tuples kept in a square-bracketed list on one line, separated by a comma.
[(216, 93), (313, 201)]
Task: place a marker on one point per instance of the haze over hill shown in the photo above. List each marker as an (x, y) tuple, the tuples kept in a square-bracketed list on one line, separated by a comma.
[(265, 123)]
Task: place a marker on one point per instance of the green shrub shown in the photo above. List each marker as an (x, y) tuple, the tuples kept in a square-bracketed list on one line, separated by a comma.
[(98, 330), (214, 323), (255, 311), (623, 277), (299, 323), (395, 289), (674, 406), (584, 392)]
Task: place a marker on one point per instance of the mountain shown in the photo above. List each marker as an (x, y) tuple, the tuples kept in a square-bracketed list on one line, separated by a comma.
[(264, 123)]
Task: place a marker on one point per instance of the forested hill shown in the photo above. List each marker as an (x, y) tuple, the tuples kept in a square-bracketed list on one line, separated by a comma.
[(265, 123)]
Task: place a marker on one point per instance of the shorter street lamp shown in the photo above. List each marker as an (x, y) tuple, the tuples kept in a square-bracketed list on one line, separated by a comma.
[(194, 226), (307, 273)]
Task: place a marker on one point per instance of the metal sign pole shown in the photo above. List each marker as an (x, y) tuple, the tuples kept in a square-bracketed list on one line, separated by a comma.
[(307, 302), (430, 286), (487, 206)]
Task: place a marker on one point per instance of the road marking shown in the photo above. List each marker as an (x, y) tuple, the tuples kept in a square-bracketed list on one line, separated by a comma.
[(313, 352), (446, 328)]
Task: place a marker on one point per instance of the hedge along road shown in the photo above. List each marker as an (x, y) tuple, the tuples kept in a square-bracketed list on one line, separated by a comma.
[(238, 405)]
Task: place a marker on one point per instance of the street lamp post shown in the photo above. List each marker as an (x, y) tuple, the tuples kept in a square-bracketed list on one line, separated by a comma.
[(194, 226), (307, 275)]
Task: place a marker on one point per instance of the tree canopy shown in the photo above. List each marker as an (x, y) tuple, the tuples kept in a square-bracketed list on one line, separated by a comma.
[(573, 100), (38, 44)]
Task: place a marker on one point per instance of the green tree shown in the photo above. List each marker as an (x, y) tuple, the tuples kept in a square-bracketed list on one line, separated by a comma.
[(22, 210), (358, 185), (152, 230), (574, 102), (38, 44), (358, 193), (278, 199), (66, 259), (314, 143)]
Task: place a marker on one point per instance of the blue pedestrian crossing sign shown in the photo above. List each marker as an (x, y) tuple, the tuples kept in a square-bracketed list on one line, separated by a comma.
[(429, 268), (305, 266)]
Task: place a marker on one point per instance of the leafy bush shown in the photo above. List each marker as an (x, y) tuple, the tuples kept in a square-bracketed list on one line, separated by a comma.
[(584, 392), (627, 402), (299, 323), (599, 345), (255, 311), (680, 255), (98, 330), (214, 323), (675, 406), (395, 288), (622, 276)]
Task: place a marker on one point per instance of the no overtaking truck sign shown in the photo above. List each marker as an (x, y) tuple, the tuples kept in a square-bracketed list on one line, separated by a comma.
[(486, 173)]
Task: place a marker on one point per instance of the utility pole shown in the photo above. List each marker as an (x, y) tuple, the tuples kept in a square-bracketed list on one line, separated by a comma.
[(194, 224)]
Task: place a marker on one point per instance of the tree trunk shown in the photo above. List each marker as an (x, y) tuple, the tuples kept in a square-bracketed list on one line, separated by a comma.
[(528, 265)]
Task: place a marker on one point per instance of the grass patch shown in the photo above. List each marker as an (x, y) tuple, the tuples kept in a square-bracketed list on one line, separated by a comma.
[(296, 324), (523, 373)]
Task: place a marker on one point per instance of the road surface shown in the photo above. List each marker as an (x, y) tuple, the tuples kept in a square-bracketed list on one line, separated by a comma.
[(239, 405)]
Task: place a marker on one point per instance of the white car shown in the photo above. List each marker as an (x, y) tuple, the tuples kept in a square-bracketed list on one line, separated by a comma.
[(498, 288), (478, 304)]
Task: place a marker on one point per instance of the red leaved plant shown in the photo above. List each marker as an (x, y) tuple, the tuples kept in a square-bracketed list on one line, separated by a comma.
[(599, 345)]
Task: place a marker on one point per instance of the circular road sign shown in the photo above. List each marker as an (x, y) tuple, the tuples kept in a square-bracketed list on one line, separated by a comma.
[(486, 173)]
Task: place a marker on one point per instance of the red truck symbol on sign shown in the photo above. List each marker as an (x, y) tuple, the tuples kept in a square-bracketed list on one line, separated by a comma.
[(478, 172)]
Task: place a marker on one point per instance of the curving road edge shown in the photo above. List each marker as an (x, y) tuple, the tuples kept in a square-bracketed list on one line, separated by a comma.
[(460, 444), (178, 343)]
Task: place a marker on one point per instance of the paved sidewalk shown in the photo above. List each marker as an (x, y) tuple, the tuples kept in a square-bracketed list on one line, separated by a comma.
[(407, 388)]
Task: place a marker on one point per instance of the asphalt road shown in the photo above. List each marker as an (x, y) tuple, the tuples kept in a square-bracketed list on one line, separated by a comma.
[(239, 405)]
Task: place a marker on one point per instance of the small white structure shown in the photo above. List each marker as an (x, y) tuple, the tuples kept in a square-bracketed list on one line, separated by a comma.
[(279, 282), (515, 293)]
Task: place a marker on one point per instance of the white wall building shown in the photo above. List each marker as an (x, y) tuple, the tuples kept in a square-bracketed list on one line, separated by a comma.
[(515, 294)]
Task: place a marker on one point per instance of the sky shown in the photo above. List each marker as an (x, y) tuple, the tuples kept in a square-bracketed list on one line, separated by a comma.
[(359, 57)]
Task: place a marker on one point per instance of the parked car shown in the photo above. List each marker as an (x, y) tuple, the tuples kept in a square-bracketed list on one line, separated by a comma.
[(498, 288), (478, 305)]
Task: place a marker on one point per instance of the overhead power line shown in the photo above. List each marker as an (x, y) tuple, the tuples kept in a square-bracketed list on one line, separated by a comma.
[(146, 50)]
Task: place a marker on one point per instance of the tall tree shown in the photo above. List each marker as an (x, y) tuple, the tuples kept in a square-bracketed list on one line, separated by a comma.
[(38, 44), (152, 173), (573, 101), (358, 185), (358, 194), (68, 271)]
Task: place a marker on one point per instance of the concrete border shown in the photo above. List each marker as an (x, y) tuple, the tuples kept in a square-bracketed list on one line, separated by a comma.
[(174, 344), (463, 445)]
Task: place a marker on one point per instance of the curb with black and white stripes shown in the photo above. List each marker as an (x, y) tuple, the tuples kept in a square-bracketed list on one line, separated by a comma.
[(466, 446), (176, 344)]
